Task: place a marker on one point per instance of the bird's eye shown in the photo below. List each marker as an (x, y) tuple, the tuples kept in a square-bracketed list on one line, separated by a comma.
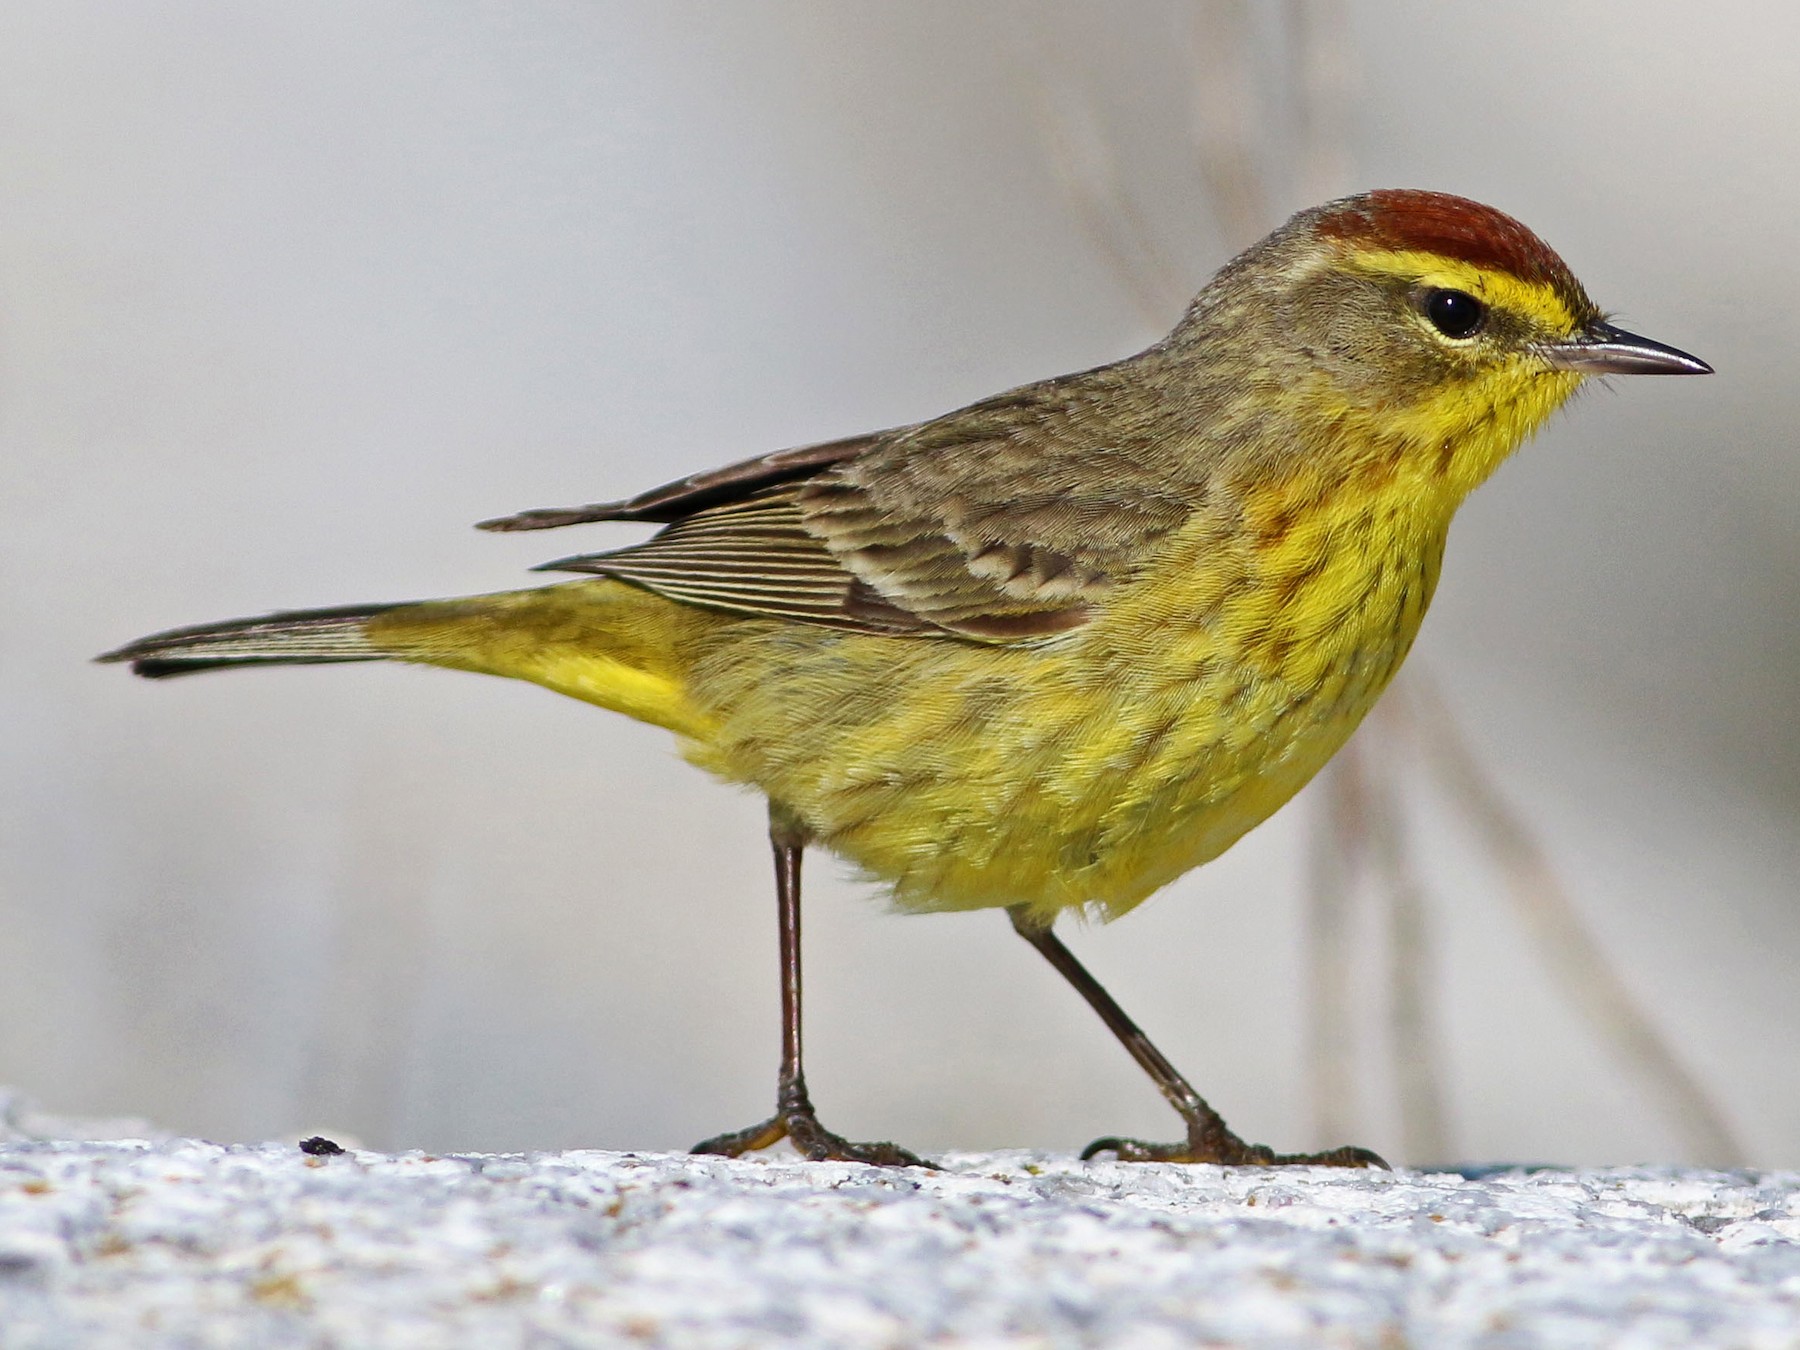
[(1455, 314)]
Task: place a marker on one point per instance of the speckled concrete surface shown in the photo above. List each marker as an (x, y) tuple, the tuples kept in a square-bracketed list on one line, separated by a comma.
[(182, 1243)]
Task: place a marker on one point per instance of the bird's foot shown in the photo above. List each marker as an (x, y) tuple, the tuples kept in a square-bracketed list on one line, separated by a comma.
[(1229, 1151), (811, 1139)]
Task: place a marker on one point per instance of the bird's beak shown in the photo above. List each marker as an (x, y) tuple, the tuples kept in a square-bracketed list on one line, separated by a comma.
[(1601, 349)]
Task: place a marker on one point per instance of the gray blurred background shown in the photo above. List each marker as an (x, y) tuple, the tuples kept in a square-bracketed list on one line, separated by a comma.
[(290, 295)]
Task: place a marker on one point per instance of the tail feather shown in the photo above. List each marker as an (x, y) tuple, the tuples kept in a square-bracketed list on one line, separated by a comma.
[(296, 637)]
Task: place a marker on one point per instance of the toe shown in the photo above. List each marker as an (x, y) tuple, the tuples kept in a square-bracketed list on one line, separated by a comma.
[(740, 1142)]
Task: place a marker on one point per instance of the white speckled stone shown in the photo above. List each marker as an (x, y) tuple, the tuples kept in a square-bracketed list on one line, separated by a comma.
[(182, 1243)]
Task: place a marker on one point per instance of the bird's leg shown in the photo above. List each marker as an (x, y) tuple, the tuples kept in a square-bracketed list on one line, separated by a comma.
[(794, 1117), (1209, 1138)]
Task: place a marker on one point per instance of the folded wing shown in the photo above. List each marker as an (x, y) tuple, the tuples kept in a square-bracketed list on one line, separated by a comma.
[(1007, 521)]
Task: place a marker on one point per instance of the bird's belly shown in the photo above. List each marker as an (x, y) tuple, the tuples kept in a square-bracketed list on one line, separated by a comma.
[(1084, 774), (1103, 805)]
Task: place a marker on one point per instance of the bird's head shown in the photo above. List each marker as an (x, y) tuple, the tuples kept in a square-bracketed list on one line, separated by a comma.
[(1429, 323)]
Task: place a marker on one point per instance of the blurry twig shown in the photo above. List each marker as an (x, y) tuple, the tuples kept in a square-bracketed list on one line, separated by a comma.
[(1412, 1017), (1108, 214), (1362, 829), (1412, 960), (1337, 856), (1574, 957)]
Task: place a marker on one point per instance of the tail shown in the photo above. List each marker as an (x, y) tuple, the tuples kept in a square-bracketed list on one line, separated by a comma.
[(603, 641), (295, 638)]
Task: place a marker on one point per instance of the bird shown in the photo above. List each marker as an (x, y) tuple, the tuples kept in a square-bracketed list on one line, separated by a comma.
[(1052, 650)]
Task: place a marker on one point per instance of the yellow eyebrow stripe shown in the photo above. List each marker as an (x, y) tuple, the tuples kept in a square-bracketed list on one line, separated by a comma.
[(1499, 289)]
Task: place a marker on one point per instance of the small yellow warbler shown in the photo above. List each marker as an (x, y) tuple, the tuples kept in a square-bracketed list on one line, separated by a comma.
[(1054, 649)]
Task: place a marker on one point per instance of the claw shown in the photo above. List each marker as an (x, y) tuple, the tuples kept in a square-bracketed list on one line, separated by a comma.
[(739, 1142)]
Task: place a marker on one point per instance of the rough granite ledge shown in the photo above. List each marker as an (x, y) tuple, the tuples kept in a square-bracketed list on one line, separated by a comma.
[(176, 1242)]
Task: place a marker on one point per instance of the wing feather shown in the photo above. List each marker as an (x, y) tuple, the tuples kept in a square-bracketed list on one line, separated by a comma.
[(1008, 521)]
